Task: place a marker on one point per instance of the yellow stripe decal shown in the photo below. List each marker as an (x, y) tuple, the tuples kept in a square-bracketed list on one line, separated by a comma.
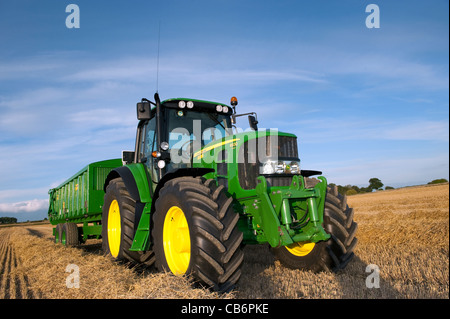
[(200, 153)]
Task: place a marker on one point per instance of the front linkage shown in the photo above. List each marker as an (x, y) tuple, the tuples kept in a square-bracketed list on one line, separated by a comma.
[(285, 216)]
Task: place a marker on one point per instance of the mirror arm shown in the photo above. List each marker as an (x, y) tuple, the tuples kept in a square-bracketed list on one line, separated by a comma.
[(243, 114), (146, 100)]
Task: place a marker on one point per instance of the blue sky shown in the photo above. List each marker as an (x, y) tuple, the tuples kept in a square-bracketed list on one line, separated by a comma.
[(363, 102)]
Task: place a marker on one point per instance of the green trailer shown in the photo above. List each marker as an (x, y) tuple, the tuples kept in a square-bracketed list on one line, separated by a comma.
[(75, 206), (195, 190)]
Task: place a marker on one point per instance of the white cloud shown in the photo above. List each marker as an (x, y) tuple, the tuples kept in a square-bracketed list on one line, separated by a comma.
[(30, 206), (329, 129), (14, 194), (419, 130), (104, 117), (394, 172)]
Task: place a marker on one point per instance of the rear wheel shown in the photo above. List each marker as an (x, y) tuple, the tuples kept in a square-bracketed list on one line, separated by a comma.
[(333, 254), (69, 234), (118, 224), (195, 233), (58, 233)]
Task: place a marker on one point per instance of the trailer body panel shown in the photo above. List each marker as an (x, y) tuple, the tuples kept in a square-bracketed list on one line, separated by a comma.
[(79, 199)]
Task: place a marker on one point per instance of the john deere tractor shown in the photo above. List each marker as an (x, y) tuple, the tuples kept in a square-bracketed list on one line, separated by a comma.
[(196, 189)]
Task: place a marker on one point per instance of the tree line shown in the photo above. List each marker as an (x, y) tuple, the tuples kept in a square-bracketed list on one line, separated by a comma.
[(8, 220), (374, 184)]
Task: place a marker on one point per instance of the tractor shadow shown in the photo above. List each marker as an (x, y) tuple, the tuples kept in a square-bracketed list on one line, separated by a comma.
[(362, 280), (264, 277)]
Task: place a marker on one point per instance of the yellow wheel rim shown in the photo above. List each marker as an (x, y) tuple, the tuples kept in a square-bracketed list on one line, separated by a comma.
[(300, 249), (114, 228), (176, 241)]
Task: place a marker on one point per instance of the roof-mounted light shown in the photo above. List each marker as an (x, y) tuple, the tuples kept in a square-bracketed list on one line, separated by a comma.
[(182, 104), (190, 104), (234, 101), (219, 108), (225, 109)]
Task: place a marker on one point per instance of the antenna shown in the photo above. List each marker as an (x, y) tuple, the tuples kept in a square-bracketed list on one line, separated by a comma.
[(157, 59)]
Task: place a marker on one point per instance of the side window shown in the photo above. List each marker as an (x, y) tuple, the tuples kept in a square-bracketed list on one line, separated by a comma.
[(149, 140), (148, 145), (146, 139)]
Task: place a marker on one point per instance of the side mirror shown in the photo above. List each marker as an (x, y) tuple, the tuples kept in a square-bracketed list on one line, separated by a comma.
[(127, 157), (253, 122), (143, 110)]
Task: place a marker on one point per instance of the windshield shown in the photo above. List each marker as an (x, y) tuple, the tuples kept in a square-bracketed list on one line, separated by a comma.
[(190, 130)]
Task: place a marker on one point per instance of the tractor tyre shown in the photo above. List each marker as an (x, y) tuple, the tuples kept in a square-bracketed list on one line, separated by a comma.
[(58, 229), (118, 225), (333, 254), (195, 233), (69, 234)]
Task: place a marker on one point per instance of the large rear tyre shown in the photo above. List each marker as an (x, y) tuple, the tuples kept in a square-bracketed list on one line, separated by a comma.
[(332, 255), (195, 233), (118, 225)]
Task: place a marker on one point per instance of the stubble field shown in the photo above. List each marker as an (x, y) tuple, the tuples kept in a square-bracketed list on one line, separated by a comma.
[(404, 233)]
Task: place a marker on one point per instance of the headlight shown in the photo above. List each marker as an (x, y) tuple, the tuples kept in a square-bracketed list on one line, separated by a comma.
[(280, 167), (190, 104), (267, 167), (164, 146), (182, 104), (219, 108), (292, 168)]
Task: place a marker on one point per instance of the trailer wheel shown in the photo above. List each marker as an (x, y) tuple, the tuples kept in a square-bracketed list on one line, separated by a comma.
[(332, 255), (118, 225), (195, 233), (58, 234), (69, 234)]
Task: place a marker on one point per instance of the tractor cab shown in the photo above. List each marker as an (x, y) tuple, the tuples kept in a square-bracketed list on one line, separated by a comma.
[(170, 132)]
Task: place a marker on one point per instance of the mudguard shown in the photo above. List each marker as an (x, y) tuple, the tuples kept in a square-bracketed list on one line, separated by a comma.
[(135, 178)]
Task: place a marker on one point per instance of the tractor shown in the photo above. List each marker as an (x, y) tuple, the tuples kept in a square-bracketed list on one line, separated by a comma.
[(194, 191)]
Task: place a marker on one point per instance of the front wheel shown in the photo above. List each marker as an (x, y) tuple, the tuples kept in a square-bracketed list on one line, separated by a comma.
[(195, 233), (333, 254), (118, 224)]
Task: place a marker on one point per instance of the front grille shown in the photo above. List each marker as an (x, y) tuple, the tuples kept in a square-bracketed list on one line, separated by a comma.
[(267, 147), (287, 147)]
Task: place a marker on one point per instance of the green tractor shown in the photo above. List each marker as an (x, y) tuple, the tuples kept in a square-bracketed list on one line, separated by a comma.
[(194, 191)]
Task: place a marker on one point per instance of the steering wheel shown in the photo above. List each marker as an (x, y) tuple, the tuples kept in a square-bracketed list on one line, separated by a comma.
[(187, 150)]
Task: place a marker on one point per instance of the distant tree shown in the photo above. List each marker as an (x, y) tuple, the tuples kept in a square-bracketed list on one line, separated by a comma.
[(342, 189), (437, 181), (365, 190), (8, 220), (389, 187), (351, 192), (375, 183)]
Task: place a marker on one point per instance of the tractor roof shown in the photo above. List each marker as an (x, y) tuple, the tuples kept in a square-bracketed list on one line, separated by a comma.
[(198, 105)]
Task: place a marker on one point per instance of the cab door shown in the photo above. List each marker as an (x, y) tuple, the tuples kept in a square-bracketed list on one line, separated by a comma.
[(145, 145)]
